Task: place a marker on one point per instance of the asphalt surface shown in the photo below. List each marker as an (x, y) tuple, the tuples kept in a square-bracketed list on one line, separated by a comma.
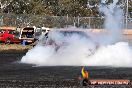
[(14, 74)]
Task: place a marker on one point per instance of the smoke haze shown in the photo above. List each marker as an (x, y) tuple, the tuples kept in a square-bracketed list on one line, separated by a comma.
[(83, 51)]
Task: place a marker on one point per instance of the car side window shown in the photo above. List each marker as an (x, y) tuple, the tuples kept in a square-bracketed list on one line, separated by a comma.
[(16, 33), (2, 31), (11, 32)]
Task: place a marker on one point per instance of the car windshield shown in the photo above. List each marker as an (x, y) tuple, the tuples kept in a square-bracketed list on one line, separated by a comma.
[(70, 33), (66, 34), (62, 36), (16, 33), (11, 31), (28, 32)]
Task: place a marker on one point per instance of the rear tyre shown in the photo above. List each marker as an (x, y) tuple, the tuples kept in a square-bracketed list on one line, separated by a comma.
[(8, 41)]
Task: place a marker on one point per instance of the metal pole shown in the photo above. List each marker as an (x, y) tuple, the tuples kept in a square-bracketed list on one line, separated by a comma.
[(126, 13), (89, 21), (67, 21), (78, 21)]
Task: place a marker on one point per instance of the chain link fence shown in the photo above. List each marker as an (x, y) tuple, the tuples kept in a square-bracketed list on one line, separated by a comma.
[(55, 21)]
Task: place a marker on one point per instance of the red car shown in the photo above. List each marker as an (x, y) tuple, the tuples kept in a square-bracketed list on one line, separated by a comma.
[(9, 35)]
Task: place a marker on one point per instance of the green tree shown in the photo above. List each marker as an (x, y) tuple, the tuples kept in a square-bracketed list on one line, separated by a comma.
[(40, 7)]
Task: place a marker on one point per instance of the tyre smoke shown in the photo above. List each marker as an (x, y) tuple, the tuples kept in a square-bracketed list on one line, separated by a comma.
[(111, 51)]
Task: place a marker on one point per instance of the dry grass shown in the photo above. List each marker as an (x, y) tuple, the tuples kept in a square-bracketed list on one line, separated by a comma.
[(14, 46)]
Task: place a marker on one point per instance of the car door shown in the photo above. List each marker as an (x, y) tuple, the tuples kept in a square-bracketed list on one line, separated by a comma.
[(14, 36)]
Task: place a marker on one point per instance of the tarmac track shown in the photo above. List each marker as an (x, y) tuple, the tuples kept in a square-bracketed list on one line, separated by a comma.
[(14, 74)]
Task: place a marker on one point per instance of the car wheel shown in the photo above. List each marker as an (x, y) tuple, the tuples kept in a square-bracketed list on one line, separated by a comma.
[(8, 41)]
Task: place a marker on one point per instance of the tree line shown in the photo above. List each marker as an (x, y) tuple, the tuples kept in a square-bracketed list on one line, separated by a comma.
[(73, 8)]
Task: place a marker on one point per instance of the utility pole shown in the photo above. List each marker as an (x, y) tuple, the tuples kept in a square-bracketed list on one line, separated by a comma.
[(78, 19), (126, 13), (67, 20)]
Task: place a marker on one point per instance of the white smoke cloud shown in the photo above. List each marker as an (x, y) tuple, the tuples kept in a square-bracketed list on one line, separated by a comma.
[(113, 21), (72, 53), (118, 54), (82, 51), (78, 53)]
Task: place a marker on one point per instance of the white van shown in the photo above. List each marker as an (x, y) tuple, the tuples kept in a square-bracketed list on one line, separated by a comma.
[(27, 33), (45, 30)]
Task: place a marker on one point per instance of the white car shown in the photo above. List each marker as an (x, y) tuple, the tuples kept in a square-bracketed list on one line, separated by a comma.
[(63, 38)]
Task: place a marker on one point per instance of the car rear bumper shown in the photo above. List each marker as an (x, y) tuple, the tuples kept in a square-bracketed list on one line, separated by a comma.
[(29, 40)]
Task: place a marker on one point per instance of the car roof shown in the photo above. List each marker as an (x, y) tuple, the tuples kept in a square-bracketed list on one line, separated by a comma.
[(7, 28), (69, 32)]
